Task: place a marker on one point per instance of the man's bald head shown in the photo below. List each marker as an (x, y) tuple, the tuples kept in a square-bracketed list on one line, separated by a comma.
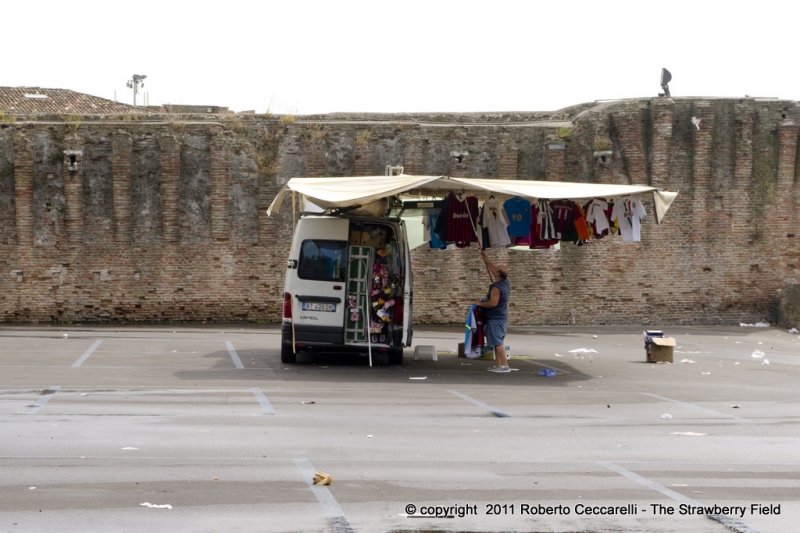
[(502, 271)]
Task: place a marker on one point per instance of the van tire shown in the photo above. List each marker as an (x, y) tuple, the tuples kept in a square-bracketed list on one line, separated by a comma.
[(287, 355), (396, 356)]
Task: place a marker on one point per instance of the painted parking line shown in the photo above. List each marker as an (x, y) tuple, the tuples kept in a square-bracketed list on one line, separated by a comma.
[(495, 412), (48, 394), (545, 366), (330, 507), (86, 354), (725, 520), (685, 404), (236, 361), (265, 405)]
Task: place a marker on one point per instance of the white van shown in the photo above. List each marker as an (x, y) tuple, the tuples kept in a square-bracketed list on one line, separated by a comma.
[(348, 287)]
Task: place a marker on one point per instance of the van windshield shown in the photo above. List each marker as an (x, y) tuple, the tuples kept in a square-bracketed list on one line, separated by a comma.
[(322, 260)]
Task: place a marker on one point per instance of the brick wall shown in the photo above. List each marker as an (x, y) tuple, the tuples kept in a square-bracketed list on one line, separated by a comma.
[(166, 221)]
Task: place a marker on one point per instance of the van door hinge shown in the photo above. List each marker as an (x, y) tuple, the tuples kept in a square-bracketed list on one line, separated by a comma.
[(292, 264)]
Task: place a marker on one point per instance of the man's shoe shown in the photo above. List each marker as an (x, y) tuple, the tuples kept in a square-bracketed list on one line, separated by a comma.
[(500, 369)]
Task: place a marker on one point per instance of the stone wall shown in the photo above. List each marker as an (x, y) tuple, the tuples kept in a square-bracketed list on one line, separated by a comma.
[(165, 220)]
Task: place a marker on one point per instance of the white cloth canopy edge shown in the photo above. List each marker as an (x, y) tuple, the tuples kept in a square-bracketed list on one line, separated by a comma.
[(350, 191)]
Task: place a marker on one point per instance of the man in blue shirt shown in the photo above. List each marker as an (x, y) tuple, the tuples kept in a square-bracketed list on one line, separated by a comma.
[(495, 313)]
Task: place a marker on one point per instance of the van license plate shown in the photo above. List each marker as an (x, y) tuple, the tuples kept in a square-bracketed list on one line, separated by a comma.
[(319, 306)]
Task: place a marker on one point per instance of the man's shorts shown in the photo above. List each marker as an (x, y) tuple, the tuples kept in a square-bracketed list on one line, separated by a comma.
[(495, 332)]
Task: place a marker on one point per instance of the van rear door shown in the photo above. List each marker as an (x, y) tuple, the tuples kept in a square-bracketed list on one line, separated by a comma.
[(408, 286), (320, 249)]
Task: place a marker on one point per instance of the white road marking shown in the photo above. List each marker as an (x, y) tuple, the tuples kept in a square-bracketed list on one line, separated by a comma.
[(48, 394), (495, 412), (86, 354), (330, 507), (236, 361), (717, 413), (265, 405), (725, 520)]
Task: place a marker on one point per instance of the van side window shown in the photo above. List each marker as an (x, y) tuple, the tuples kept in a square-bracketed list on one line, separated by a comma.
[(323, 260)]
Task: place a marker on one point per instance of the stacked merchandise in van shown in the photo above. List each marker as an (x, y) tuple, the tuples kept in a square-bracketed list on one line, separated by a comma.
[(386, 286)]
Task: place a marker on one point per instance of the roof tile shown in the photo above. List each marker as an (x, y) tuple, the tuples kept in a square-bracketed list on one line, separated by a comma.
[(29, 100)]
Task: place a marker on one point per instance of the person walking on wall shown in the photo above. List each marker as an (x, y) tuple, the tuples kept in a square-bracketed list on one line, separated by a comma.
[(495, 313)]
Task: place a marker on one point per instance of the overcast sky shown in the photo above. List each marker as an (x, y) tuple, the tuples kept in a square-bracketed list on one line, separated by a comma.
[(304, 57)]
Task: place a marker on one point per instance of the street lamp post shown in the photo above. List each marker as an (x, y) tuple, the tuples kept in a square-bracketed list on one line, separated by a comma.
[(138, 80)]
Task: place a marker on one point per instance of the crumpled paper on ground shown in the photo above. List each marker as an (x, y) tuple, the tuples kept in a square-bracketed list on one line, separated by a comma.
[(321, 478)]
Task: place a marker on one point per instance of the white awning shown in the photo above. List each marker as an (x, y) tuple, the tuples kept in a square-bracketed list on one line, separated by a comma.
[(347, 192)]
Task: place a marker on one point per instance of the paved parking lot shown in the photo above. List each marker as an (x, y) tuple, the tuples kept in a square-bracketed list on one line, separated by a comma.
[(207, 420)]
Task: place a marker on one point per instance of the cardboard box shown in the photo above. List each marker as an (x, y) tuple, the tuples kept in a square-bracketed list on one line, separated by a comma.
[(355, 238), (661, 349), (378, 241)]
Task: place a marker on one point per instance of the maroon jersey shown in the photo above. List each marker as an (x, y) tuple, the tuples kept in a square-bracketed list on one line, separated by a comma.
[(461, 219)]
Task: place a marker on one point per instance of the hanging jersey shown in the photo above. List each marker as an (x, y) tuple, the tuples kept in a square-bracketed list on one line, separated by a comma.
[(495, 221), (580, 224), (564, 219), (544, 215), (518, 211), (629, 212), (461, 220), (536, 242), (597, 212), (430, 233)]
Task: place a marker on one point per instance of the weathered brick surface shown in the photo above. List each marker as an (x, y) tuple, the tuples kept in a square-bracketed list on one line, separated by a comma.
[(146, 189), (413, 154), (554, 161), (364, 160), (507, 160), (170, 187), (73, 188), (23, 189), (315, 159), (220, 189), (121, 165), (195, 198), (167, 220), (98, 189), (8, 226)]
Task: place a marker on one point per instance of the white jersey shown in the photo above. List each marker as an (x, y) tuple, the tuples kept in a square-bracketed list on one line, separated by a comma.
[(496, 222), (629, 211), (596, 214)]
